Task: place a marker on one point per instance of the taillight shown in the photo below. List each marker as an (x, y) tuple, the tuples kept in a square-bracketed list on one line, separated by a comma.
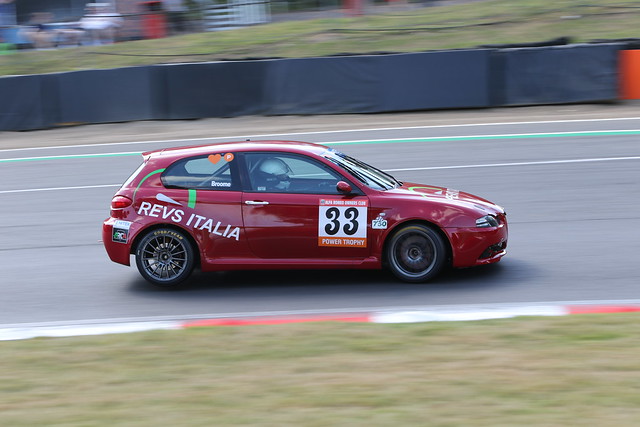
[(120, 202)]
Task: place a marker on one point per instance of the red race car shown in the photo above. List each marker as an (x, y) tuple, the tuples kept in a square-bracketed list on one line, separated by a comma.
[(283, 205)]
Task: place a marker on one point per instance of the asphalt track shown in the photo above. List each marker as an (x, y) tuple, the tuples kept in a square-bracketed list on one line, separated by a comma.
[(571, 190)]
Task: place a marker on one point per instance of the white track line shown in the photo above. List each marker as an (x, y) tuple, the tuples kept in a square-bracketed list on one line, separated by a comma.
[(426, 139), (327, 132), (73, 156), (489, 165), (493, 165), (29, 190)]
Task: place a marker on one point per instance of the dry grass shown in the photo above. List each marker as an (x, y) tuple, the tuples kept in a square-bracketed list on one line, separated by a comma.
[(579, 370), (406, 30)]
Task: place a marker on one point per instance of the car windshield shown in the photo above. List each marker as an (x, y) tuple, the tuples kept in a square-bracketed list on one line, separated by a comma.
[(368, 175)]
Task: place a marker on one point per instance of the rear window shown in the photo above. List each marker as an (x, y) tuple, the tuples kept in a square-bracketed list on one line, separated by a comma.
[(213, 172)]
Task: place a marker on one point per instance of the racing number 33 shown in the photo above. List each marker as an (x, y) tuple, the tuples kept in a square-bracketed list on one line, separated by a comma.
[(342, 223)]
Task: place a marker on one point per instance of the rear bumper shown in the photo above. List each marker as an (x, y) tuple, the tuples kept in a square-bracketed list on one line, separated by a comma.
[(112, 238), (477, 246)]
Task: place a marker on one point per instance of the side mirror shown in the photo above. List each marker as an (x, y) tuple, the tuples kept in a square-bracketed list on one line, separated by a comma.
[(343, 187)]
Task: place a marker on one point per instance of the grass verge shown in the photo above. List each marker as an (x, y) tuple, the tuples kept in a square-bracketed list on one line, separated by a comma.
[(576, 370), (409, 29)]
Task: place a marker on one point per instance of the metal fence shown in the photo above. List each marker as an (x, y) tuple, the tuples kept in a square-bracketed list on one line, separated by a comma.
[(235, 13)]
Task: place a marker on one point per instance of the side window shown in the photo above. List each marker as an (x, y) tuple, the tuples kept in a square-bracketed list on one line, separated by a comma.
[(284, 173), (212, 172)]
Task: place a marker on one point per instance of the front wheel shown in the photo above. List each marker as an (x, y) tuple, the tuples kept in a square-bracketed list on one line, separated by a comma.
[(165, 257), (416, 253)]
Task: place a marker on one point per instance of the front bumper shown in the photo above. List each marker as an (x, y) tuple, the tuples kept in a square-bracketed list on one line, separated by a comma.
[(477, 246)]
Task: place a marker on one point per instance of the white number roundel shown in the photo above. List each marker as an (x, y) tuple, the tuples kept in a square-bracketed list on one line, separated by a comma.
[(342, 223)]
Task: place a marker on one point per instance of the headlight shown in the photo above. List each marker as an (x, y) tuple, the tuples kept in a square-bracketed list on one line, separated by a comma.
[(487, 221)]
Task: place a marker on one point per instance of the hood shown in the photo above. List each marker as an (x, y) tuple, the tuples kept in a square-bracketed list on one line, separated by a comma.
[(451, 196)]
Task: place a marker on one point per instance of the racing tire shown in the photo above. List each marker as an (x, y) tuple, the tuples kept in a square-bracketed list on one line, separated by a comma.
[(416, 253), (165, 257)]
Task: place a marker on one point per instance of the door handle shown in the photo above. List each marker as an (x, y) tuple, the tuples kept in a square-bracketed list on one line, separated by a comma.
[(255, 202)]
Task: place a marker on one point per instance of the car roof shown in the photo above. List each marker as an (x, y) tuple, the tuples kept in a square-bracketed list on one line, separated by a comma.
[(238, 146)]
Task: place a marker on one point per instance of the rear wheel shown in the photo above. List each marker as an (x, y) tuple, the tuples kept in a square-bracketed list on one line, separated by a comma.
[(416, 253), (165, 257)]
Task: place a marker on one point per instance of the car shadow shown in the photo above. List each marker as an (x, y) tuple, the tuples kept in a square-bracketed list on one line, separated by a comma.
[(325, 282)]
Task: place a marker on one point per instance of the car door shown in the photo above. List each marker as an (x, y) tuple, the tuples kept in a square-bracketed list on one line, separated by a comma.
[(206, 192), (292, 210)]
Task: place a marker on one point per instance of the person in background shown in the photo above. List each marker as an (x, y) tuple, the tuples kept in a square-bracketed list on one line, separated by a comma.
[(38, 33), (176, 11), (100, 25)]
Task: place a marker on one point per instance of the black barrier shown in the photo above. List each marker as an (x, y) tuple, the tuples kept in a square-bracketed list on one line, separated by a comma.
[(556, 75), (103, 96), (364, 84), (348, 84), (218, 89), (25, 103), (433, 80), (158, 95), (323, 85)]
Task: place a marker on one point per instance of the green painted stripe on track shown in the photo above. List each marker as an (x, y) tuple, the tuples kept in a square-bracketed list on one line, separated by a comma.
[(69, 157), (381, 141)]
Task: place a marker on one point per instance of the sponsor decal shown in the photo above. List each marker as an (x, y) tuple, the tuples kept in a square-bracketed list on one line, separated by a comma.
[(163, 198), (342, 223), (379, 223), (452, 194), (120, 232), (436, 190), (193, 220), (215, 158), (448, 193)]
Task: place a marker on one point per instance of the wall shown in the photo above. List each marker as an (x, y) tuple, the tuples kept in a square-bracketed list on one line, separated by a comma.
[(474, 78)]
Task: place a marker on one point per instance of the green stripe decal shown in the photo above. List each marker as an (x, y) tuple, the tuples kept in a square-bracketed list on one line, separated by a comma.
[(145, 178), (192, 199)]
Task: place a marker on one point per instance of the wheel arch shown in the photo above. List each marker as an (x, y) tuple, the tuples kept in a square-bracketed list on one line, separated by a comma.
[(429, 224), (152, 227)]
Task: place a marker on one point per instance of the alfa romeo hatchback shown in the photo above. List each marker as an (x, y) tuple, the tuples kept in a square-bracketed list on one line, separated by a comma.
[(291, 205)]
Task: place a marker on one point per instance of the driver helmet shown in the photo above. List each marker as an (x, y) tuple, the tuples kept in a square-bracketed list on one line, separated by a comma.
[(276, 172)]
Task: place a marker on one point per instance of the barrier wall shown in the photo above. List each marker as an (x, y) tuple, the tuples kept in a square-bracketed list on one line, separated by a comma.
[(104, 96), (343, 84), (434, 80), (322, 86), (26, 103), (220, 89), (558, 74)]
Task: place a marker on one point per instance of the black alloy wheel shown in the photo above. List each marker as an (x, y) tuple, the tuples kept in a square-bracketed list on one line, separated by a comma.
[(416, 253), (165, 257)]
